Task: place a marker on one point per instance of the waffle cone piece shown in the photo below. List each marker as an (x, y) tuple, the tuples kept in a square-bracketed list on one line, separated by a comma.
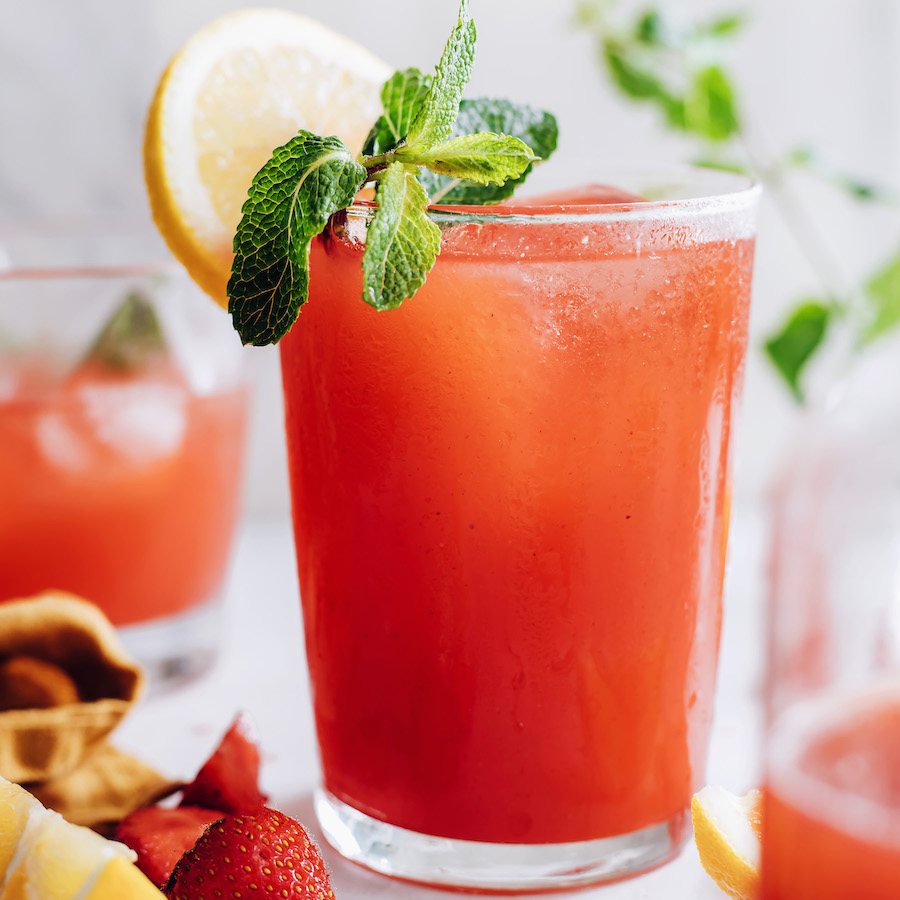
[(63, 649)]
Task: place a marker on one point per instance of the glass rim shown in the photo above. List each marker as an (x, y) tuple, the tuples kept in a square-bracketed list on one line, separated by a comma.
[(715, 191)]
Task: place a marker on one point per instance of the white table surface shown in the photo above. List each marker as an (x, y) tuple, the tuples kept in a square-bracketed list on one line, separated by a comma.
[(261, 670)]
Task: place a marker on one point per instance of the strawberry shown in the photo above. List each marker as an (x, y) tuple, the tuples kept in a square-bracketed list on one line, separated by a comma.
[(229, 779), (266, 854), (161, 836)]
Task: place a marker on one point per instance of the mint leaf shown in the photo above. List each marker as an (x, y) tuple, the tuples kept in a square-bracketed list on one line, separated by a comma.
[(402, 96), (793, 346), (484, 158), (650, 28), (131, 339), (723, 26), (434, 121), (710, 105), (883, 294), (402, 242), (291, 198), (534, 127), (632, 78)]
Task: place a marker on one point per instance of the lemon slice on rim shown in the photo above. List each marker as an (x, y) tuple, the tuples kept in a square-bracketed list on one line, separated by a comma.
[(44, 856), (726, 831), (239, 88)]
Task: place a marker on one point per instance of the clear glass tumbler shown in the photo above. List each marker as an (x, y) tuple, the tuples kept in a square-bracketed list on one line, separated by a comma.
[(831, 816), (510, 499), (122, 421)]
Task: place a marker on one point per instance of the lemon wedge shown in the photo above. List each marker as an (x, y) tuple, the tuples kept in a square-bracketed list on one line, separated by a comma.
[(239, 88), (44, 856), (726, 831)]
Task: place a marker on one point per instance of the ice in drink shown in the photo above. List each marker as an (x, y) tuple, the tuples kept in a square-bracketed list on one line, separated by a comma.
[(121, 488)]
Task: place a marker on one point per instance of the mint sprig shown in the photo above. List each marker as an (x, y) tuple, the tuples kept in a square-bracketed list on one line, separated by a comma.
[(310, 178)]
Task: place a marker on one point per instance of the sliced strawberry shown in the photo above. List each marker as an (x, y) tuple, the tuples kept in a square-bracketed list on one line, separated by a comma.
[(267, 854), (229, 779), (160, 837)]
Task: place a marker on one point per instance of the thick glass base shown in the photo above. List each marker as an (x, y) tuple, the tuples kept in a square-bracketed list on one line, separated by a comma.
[(501, 868), (176, 649)]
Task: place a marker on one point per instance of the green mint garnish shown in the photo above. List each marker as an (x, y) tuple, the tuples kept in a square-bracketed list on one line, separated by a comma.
[(484, 158), (534, 127), (434, 120), (291, 199), (402, 96), (131, 339), (425, 125), (402, 243)]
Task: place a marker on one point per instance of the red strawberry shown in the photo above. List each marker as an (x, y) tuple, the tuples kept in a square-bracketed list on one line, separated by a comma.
[(229, 779), (268, 854), (160, 837)]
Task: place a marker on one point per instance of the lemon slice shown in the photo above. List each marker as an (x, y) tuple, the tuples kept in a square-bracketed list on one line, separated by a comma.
[(15, 808), (726, 831), (239, 88), (44, 856)]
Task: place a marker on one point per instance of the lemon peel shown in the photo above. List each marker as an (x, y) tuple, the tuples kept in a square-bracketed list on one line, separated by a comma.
[(43, 855), (240, 87), (726, 832)]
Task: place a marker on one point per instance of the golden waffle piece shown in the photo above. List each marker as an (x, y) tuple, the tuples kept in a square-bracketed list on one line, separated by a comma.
[(63, 652)]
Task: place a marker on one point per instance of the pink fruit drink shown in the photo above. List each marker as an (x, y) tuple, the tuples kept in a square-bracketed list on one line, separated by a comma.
[(510, 499)]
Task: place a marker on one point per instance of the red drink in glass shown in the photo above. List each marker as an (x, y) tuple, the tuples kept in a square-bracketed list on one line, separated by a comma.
[(118, 488), (510, 503), (831, 819), (122, 421)]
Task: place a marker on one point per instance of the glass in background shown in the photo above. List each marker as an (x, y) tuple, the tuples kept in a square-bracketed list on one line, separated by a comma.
[(831, 818), (122, 423)]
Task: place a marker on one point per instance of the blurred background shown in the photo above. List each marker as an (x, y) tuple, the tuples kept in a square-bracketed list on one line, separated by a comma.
[(76, 80)]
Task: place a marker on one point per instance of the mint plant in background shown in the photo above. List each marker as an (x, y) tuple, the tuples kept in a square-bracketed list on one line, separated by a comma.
[(681, 69)]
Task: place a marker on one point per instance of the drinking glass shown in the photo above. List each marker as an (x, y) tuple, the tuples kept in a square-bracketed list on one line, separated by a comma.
[(831, 815), (510, 499), (122, 419)]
